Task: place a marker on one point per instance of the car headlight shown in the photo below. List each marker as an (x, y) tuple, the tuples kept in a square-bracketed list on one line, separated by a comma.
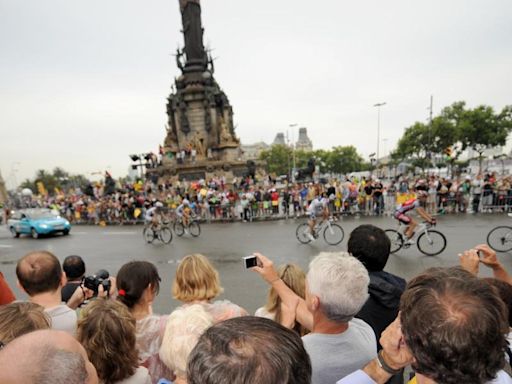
[(43, 226), (66, 222)]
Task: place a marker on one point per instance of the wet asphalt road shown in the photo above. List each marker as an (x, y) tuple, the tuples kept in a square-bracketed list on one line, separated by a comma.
[(226, 243)]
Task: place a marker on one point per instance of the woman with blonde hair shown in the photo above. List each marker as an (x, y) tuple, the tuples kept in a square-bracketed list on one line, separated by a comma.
[(197, 282), (295, 278), (19, 318), (106, 330)]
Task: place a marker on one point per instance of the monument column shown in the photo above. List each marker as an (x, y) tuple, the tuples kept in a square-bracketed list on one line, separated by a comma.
[(200, 117)]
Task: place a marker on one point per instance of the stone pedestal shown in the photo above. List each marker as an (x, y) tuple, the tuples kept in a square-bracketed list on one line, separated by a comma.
[(200, 132)]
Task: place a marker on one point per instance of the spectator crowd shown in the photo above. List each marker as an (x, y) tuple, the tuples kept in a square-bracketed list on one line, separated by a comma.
[(247, 200), (345, 320)]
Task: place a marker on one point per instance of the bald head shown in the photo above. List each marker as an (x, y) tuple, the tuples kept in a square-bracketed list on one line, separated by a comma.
[(46, 356), (39, 272)]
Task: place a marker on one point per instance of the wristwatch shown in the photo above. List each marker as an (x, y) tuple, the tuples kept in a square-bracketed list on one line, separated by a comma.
[(382, 364)]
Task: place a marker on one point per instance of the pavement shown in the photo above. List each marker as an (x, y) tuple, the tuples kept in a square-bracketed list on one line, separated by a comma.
[(225, 244)]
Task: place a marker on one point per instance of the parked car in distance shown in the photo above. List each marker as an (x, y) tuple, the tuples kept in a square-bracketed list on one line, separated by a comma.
[(36, 222)]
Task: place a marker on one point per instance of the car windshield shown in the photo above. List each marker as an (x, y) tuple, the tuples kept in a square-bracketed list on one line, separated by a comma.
[(41, 215)]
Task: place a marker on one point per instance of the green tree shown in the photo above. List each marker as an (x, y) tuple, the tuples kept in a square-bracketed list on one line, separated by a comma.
[(59, 178), (480, 128), (443, 135), (415, 145), (278, 158), (322, 159), (344, 159), (59, 173), (302, 157)]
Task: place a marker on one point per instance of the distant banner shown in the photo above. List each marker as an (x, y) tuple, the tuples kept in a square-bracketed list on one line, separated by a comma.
[(41, 189)]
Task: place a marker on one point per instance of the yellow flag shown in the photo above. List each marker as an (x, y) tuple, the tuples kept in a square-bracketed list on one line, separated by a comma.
[(41, 189)]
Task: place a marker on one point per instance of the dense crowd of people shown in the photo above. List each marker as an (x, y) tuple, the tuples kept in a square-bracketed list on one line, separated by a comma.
[(247, 200), (345, 320)]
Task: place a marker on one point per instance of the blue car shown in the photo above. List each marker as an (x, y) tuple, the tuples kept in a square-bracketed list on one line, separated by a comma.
[(36, 222)]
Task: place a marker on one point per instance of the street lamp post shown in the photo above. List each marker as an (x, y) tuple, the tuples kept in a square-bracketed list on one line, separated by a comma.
[(378, 105), (293, 152)]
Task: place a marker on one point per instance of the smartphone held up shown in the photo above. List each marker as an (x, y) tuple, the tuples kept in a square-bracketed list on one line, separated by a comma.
[(251, 261)]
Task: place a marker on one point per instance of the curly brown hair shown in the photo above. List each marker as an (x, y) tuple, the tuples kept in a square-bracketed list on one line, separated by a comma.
[(455, 326), (106, 329)]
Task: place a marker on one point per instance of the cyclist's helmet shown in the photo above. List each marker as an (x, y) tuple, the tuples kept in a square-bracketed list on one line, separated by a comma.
[(159, 204), (421, 193), (185, 202)]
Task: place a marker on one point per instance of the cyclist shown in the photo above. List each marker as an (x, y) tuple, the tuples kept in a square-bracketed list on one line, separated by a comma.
[(413, 204), (153, 216), (319, 206), (183, 212)]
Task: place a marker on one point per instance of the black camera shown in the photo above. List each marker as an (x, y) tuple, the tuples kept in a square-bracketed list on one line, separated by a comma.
[(93, 282)]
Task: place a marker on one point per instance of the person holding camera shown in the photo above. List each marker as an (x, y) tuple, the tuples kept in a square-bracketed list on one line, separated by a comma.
[(41, 277), (74, 269)]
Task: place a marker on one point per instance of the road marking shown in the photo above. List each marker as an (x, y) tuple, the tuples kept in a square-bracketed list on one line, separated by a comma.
[(5, 246), (119, 233)]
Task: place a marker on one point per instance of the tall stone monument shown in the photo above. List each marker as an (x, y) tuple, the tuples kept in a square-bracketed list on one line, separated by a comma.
[(201, 140)]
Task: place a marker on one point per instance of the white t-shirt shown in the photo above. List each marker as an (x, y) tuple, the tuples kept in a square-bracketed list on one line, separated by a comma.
[(141, 376), (63, 318), (334, 356)]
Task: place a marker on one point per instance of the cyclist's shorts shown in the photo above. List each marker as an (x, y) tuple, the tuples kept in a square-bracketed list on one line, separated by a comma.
[(312, 215), (402, 218)]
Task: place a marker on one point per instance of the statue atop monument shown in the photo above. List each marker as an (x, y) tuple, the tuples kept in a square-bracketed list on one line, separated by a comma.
[(200, 129), (193, 34)]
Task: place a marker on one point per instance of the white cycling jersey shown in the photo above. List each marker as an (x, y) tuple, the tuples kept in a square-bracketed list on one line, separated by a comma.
[(317, 206), (150, 213)]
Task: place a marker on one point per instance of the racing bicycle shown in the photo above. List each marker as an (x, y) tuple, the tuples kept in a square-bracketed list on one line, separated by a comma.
[(500, 238), (429, 241), (333, 233), (193, 227), (162, 233)]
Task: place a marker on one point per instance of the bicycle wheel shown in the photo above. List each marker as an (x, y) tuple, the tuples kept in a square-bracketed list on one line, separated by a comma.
[(431, 243), (179, 229), (333, 234), (148, 234), (396, 239), (302, 233), (194, 228), (165, 235), (500, 239)]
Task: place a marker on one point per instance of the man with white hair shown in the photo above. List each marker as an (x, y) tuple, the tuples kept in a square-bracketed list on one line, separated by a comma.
[(336, 290), (184, 327)]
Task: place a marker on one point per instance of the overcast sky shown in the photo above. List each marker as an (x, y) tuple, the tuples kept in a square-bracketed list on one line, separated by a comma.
[(84, 84)]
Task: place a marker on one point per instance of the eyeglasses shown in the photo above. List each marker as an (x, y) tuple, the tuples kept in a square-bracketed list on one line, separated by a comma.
[(2, 345)]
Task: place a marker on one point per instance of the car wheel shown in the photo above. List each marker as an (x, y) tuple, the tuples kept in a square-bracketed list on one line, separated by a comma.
[(14, 233), (34, 233), (65, 232)]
